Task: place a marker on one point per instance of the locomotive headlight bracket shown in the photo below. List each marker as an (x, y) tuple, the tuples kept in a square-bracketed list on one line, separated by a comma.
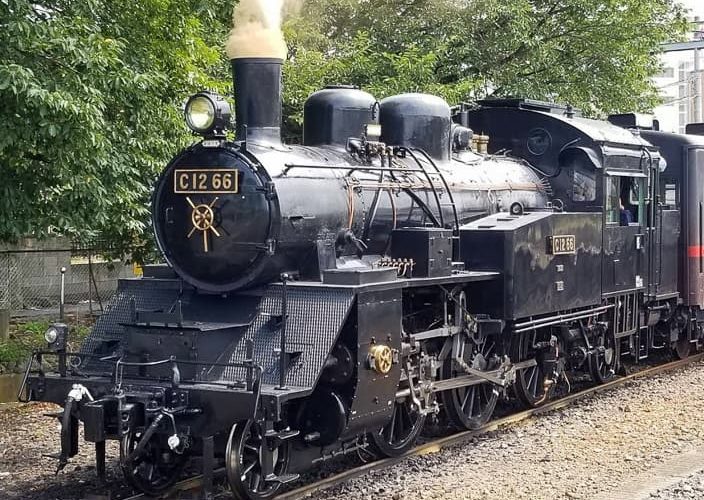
[(208, 114)]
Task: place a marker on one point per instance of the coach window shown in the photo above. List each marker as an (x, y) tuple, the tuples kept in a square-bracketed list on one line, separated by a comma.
[(670, 195)]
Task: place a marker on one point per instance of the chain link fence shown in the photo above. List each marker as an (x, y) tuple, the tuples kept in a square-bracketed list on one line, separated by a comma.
[(30, 280)]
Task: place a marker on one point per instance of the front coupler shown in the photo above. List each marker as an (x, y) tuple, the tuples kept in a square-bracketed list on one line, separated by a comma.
[(118, 405)]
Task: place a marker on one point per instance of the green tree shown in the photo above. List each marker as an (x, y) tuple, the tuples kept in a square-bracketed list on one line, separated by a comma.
[(90, 90), (90, 93), (597, 55)]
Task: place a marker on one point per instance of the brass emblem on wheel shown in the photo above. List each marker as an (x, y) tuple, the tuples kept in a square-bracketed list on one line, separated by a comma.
[(203, 220), (381, 358)]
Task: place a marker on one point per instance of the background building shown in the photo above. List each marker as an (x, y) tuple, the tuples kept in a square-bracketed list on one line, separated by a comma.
[(681, 82)]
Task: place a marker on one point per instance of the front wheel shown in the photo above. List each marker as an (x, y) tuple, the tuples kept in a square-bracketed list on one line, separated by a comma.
[(153, 471), (400, 434), (243, 462), (472, 406)]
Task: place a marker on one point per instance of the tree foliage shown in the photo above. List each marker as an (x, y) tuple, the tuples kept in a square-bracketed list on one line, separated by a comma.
[(90, 93), (597, 55), (90, 90)]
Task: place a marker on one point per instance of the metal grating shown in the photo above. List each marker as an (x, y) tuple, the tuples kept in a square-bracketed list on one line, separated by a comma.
[(149, 295), (315, 318)]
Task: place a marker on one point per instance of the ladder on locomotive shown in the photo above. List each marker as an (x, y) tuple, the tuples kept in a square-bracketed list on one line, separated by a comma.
[(438, 186)]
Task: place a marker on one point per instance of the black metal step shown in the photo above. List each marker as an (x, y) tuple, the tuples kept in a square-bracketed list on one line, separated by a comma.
[(283, 435), (276, 438), (282, 479)]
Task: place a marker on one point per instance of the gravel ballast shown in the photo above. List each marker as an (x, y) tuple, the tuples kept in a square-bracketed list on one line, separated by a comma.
[(25, 435), (582, 452), (691, 488)]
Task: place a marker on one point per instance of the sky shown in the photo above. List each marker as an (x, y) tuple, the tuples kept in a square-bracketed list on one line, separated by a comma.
[(696, 6)]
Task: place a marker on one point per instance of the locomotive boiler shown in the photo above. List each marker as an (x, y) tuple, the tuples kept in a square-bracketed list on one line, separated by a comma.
[(230, 216), (326, 298)]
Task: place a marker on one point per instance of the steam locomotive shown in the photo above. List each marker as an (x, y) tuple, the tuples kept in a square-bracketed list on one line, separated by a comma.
[(408, 259)]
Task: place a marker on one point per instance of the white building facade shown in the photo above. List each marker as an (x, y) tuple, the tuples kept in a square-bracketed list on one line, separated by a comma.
[(681, 84)]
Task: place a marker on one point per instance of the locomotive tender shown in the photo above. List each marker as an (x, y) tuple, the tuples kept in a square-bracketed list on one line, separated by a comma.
[(326, 298)]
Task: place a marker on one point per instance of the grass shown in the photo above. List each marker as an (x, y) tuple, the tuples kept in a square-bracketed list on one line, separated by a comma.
[(26, 337), (12, 352)]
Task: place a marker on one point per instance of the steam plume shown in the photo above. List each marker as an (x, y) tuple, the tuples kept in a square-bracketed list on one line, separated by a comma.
[(257, 30)]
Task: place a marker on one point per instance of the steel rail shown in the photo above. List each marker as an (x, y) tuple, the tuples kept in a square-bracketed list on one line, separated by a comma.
[(437, 445), (187, 485), (464, 436)]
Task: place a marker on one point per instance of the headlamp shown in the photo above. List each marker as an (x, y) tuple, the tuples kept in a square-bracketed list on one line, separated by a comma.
[(207, 114), (51, 335), (56, 337)]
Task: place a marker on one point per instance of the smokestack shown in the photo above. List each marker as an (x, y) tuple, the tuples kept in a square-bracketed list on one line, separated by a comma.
[(257, 49), (258, 98)]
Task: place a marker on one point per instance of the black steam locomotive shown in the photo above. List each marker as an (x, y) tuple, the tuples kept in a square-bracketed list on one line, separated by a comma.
[(327, 298)]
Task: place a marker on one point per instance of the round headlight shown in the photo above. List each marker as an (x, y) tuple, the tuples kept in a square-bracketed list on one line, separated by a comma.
[(51, 335), (200, 114)]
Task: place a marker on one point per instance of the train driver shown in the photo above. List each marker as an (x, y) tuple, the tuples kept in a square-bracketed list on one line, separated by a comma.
[(626, 215)]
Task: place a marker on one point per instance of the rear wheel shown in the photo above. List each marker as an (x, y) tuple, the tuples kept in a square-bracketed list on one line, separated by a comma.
[(603, 364), (682, 347), (679, 327)]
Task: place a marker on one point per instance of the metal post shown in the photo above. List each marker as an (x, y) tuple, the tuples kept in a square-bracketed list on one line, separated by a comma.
[(6, 312), (4, 324), (697, 97), (208, 465), (100, 460), (284, 314), (62, 299), (90, 292)]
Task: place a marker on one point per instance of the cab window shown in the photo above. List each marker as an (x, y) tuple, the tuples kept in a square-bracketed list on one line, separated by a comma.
[(583, 184), (613, 191), (636, 198), (625, 201)]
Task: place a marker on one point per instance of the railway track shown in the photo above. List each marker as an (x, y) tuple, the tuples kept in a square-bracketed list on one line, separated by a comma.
[(433, 446)]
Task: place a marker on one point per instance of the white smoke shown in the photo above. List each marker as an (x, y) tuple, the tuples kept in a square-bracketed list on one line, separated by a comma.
[(257, 29)]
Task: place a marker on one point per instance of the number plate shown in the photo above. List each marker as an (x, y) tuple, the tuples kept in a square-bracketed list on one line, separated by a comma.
[(205, 181), (562, 245)]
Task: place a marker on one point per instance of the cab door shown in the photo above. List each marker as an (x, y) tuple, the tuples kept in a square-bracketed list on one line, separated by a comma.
[(624, 243)]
